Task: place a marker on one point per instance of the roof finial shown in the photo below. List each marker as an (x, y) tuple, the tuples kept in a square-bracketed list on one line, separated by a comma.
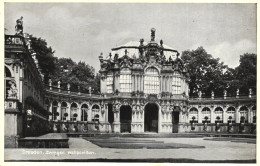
[(153, 34)]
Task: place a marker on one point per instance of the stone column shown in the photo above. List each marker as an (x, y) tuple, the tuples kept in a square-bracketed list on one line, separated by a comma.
[(133, 83), (166, 83), (117, 84), (225, 118), (160, 120), (181, 117), (138, 82), (106, 113), (160, 77), (170, 84), (59, 111), (50, 110), (69, 111), (250, 115), (237, 115), (199, 115), (142, 82), (116, 122), (142, 119), (79, 112), (89, 114), (212, 117)]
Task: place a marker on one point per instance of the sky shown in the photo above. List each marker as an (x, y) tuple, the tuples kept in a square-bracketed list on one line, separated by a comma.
[(81, 31)]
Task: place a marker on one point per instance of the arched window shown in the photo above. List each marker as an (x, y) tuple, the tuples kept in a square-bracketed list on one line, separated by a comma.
[(125, 83), (84, 112), (254, 114), (193, 115), (219, 114), (74, 110), (243, 114), (176, 83), (7, 73), (151, 81), (54, 110), (64, 111), (7, 81), (110, 84), (95, 111), (206, 114), (231, 111)]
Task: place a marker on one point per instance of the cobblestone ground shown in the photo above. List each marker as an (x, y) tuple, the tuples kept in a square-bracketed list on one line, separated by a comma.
[(81, 149)]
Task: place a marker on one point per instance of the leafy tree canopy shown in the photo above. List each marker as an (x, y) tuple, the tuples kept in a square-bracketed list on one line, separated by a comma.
[(246, 72), (79, 75), (44, 54), (205, 72)]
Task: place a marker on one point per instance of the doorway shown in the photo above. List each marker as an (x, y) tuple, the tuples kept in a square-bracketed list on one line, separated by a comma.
[(125, 119), (175, 119), (151, 118)]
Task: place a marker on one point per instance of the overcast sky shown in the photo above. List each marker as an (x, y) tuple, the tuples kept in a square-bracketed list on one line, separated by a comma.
[(83, 30)]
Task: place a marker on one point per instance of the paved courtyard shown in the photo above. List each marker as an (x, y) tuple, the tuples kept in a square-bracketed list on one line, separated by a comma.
[(204, 149)]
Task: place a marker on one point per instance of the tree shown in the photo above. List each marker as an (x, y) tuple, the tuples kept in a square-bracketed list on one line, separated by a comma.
[(246, 73), (65, 70), (45, 57), (79, 75), (206, 73)]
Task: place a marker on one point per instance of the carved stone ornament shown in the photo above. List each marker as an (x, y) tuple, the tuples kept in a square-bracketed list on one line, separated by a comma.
[(12, 92)]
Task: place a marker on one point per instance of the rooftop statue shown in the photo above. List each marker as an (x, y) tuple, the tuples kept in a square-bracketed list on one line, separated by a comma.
[(19, 26), (153, 34)]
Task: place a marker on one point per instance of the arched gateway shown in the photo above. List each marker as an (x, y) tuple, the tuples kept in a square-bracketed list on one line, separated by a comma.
[(151, 117)]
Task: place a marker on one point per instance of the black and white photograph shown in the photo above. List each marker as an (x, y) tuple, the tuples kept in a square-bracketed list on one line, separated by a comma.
[(130, 82)]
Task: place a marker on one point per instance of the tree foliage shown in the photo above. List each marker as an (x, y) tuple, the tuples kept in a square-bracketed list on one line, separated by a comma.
[(209, 74), (44, 54), (246, 72), (205, 72), (79, 75)]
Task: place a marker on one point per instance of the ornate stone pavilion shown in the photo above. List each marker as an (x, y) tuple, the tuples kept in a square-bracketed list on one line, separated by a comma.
[(144, 88)]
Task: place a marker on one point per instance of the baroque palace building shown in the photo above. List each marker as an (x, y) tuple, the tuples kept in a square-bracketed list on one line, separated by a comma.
[(144, 88)]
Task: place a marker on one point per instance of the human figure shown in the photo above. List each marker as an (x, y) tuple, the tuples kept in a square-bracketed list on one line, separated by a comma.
[(19, 26)]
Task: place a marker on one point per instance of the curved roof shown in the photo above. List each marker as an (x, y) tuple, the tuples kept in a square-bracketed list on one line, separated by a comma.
[(132, 50)]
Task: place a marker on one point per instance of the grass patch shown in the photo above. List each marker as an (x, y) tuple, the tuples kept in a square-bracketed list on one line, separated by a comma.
[(124, 143)]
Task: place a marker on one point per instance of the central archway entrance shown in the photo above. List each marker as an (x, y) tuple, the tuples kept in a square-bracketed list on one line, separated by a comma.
[(151, 117), (125, 118)]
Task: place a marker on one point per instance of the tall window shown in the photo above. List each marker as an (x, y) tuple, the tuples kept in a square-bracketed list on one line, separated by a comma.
[(219, 113), (205, 113), (95, 112), (151, 81), (64, 113), (109, 83), (231, 113), (243, 114), (74, 110), (84, 112), (125, 83), (193, 114), (176, 84)]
